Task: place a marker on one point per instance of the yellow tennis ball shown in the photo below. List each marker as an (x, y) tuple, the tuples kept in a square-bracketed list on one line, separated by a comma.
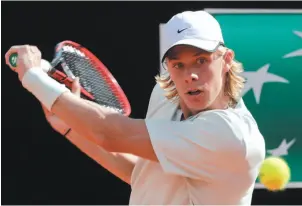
[(274, 173)]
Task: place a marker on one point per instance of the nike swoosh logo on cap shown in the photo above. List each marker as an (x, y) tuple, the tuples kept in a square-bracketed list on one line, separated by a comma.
[(179, 31)]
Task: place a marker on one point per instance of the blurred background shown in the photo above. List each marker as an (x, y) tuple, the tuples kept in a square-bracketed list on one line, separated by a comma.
[(40, 166)]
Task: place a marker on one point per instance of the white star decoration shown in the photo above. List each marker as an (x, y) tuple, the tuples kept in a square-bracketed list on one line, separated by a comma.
[(282, 149), (256, 79), (297, 52)]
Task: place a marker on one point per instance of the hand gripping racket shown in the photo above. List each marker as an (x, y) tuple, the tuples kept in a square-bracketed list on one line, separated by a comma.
[(97, 83)]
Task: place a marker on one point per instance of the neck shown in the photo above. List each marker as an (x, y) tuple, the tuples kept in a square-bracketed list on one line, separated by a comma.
[(185, 110), (221, 102)]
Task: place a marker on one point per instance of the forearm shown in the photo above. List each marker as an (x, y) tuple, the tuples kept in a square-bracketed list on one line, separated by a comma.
[(119, 164), (105, 127), (86, 118)]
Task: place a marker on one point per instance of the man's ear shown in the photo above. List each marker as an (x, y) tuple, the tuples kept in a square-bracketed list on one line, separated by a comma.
[(228, 58)]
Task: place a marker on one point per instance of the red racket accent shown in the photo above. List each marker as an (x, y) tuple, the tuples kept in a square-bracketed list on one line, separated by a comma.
[(64, 79), (104, 72)]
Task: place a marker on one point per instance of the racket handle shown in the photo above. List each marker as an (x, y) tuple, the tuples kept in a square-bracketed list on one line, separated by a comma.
[(13, 59), (63, 79), (68, 82)]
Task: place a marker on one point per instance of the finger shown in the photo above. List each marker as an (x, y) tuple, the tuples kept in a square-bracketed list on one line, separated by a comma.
[(35, 50), (76, 87)]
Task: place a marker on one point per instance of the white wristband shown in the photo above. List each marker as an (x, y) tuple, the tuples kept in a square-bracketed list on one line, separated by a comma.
[(43, 87)]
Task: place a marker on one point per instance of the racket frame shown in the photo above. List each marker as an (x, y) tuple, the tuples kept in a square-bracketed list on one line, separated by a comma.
[(68, 77)]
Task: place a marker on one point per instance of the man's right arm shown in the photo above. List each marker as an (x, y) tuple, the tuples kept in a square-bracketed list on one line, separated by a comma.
[(119, 164)]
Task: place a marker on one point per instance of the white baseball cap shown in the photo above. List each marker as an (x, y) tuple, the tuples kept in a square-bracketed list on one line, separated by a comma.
[(194, 28)]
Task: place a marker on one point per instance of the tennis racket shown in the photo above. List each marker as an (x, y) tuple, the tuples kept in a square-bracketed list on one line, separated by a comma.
[(97, 83)]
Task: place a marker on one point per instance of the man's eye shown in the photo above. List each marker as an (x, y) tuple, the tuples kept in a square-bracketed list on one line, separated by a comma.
[(201, 60), (178, 65)]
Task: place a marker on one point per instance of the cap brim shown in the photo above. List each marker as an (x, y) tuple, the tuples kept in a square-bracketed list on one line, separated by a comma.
[(209, 46)]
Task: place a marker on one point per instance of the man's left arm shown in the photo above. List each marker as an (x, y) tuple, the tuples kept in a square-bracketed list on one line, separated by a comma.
[(107, 128)]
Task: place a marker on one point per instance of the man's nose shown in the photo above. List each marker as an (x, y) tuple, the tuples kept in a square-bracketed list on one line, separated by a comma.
[(191, 76)]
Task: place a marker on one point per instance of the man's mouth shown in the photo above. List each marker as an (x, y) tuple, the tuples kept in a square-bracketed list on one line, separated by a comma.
[(194, 92)]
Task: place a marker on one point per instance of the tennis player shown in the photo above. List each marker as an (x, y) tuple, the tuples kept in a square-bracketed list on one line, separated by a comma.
[(198, 145)]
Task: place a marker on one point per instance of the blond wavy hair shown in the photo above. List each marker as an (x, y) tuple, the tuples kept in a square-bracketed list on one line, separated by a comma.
[(234, 82)]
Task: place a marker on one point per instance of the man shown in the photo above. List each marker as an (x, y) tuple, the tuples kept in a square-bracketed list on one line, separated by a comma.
[(198, 145)]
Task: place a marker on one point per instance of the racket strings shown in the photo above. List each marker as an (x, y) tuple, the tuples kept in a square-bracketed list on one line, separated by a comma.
[(92, 80)]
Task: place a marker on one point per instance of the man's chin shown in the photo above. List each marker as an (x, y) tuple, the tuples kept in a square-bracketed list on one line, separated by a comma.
[(196, 107)]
